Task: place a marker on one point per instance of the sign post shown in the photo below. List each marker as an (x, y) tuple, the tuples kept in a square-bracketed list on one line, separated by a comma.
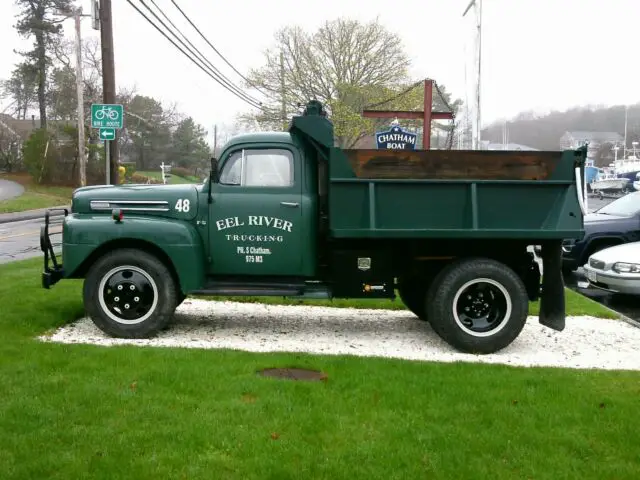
[(426, 115), (107, 118)]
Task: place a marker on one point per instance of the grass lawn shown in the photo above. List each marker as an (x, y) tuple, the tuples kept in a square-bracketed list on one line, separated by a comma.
[(173, 179), (34, 196), (80, 411)]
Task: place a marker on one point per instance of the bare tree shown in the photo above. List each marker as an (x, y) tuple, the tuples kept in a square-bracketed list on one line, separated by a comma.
[(345, 64)]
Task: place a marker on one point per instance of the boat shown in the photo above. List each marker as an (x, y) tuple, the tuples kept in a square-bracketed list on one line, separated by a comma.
[(590, 172), (628, 167), (608, 181), (636, 182)]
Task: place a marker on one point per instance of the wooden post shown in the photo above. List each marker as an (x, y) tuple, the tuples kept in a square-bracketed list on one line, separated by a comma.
[(82, 155), (427, 115), (109, 80)]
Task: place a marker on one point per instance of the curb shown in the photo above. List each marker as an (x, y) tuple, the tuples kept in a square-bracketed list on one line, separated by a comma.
[(630, 321), (621, 316), (29, 215)]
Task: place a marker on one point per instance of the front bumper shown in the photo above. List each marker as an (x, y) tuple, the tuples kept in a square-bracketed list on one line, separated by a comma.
[(51, 274), (612, 282)]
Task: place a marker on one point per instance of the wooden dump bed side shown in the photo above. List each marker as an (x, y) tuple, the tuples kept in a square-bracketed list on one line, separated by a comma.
[(453, 164)]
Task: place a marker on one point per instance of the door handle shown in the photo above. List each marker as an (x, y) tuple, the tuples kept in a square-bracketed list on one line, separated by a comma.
[(290, 204)]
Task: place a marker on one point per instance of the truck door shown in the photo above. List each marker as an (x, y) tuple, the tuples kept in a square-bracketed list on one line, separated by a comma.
[(255, 223)]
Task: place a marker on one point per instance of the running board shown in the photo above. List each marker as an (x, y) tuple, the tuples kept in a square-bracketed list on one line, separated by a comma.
[(254, 289)]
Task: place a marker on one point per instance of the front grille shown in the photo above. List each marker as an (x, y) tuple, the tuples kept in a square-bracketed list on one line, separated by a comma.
[(599, 264)]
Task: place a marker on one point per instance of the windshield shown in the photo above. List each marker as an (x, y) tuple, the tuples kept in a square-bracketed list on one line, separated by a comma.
[(626, 206)]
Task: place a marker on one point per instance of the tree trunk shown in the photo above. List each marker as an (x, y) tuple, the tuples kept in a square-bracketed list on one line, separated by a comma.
[(42, 78)]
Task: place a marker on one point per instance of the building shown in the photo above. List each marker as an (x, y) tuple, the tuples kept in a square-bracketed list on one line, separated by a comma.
[(488, 145), (573, 140), (17, 128)]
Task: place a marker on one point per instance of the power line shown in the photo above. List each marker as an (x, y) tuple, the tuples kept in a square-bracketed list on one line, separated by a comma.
[(220, 78), (216, 50), (198, 52), (395, 97), (250, 102)]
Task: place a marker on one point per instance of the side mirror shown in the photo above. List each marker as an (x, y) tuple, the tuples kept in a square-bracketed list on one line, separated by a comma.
[(214, 170)]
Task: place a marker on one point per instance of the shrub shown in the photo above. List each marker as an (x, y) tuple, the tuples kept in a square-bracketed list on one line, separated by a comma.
[(181, 172), (137, 178), (39, 155)]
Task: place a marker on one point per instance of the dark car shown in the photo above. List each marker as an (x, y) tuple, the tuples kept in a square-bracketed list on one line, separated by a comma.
[(614, 224)]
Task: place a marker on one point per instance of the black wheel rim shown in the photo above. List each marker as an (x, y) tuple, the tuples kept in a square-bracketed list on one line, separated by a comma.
[(128, 294), (482, 307)]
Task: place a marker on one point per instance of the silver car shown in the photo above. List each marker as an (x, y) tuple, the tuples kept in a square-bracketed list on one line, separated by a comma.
[(615, 269)]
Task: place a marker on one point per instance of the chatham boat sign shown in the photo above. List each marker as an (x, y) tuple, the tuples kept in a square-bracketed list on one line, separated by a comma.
[(396, 139)]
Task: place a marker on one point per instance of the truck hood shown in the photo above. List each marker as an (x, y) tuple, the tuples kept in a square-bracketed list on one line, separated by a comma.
[(601, 223), (595, 218), (176, 201)]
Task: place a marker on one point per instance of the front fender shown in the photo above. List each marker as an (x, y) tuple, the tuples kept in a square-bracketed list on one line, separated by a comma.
[(85, 236)]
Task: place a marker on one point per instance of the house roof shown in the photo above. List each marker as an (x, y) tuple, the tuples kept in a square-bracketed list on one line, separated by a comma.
[(509, 146), (596, 136), (23, 128)]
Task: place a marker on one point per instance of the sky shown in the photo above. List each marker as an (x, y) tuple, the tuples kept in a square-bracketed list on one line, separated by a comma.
[(537, 55)]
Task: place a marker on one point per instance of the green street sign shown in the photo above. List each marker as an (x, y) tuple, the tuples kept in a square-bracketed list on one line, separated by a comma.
[(107, 134), (106, 116)]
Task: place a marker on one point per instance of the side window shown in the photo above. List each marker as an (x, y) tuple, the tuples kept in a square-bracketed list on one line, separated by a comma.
[(259, 168), (232, 170)]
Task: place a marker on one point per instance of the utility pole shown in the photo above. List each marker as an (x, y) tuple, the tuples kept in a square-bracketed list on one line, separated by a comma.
[(626, 120), (82, 155), (215, 140), (109, 81), (283, 106), (478, 56)]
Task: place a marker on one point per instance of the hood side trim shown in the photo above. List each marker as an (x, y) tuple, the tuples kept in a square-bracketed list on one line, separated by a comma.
[(131, 205)]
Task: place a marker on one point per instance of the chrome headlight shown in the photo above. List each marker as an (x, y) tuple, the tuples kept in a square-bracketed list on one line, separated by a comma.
[(622, 267)]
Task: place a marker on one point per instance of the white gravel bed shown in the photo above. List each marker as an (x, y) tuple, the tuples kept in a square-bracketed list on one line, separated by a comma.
[(586, 342)]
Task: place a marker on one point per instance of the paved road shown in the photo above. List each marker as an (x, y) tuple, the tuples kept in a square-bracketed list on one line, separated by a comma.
[(596, 203), (21, 240), (9, 189), (627, 305)]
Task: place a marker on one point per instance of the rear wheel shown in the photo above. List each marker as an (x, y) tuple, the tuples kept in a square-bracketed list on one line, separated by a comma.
[(129, 293), (478, 305)]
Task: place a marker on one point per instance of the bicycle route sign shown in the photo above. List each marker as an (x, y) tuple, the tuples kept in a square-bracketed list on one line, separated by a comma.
[(106, 116)]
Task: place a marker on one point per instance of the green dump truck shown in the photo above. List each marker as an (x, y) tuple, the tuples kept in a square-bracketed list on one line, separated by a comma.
[(289, 214)]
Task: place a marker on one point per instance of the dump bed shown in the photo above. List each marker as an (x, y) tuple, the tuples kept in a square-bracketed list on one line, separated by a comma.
[(447, 193), (454, 193)]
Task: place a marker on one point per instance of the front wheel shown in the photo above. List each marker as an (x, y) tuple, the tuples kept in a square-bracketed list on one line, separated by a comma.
[(478, 305), (129, 293)]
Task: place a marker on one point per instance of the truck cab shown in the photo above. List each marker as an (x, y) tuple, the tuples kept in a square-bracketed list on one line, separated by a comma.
[(290, 214), (263, 210)]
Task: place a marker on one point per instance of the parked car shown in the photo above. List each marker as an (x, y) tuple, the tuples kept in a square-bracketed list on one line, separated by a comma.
[(614, 224), (615, 269)]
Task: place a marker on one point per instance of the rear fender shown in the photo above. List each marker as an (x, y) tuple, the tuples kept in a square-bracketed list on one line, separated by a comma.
[(87, 237)]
